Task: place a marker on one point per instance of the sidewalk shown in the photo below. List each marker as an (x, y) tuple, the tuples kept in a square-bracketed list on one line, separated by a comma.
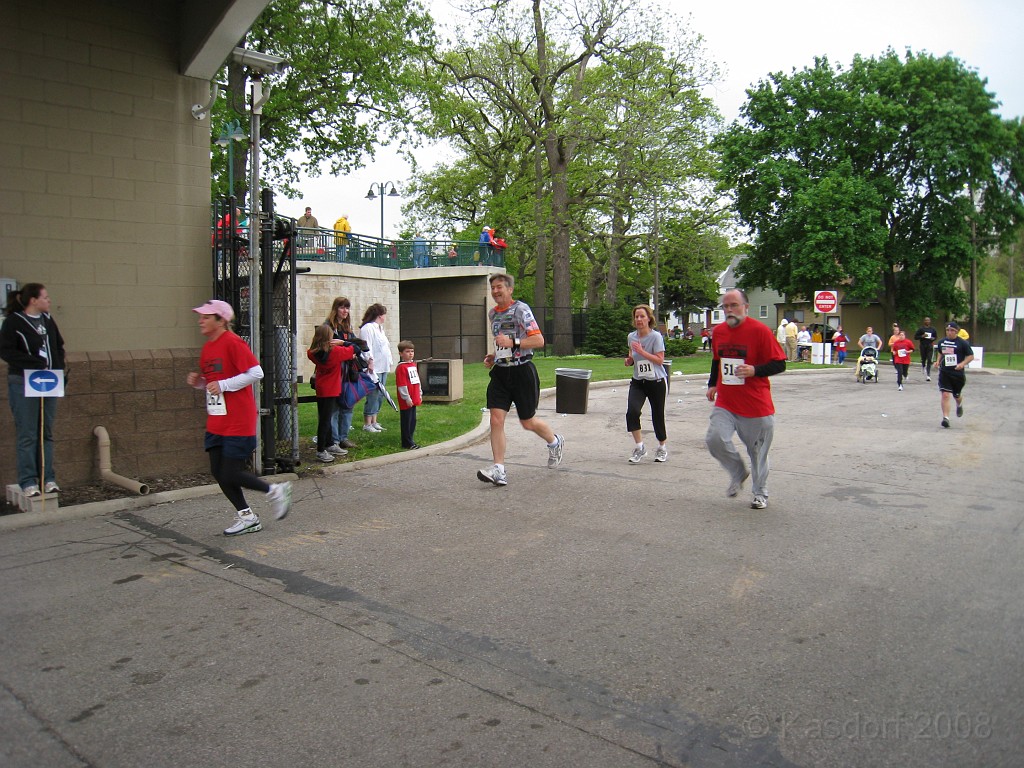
[(600, 614)]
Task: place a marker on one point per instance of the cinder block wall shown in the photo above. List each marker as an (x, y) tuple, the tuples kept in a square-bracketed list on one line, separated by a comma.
[(105, 198), (155, 421)]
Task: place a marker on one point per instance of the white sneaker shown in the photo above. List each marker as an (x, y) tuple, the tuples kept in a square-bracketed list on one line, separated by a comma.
[(555, 452), (900, 387), (492, 475), (368, 428), (325, 457), (336, 450), (377, 427), (759, 502), (638, 453), (245, 522), (280, 496), (30, 491), (661, 454), (52, 487)]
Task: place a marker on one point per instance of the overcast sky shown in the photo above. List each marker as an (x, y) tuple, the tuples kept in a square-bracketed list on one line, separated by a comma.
[(748, 40)]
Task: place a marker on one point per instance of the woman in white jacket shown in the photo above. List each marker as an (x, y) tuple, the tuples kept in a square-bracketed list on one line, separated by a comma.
[(372, 332)]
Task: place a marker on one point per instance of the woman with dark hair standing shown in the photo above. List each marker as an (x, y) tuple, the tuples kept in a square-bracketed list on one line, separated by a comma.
[(372, 332), (228, 371), (30, 340), (339, 320)]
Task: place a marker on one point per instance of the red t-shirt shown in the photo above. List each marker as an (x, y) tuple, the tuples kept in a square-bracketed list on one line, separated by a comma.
[(220, 359), (329, 370), (408, 375), (840, 341), (752, 343), (901, 351)]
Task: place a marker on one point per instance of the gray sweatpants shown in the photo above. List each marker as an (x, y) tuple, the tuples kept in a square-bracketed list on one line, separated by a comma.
[(755, 433)]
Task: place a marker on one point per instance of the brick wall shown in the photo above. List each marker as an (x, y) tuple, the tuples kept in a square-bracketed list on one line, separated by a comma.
[(154, 419)]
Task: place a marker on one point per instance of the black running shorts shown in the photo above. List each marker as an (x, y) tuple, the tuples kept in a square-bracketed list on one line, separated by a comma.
[(517, 384)]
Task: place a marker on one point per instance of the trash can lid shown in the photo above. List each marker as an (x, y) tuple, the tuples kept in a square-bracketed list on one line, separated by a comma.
[(574, 373)]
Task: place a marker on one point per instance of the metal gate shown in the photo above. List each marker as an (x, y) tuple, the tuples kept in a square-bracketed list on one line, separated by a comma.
[(267, 324)]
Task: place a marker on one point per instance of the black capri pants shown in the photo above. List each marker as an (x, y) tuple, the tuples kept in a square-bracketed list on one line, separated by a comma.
[(654, 391)]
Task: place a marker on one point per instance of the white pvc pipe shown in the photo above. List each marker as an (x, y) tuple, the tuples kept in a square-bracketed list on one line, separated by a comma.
[(104, 460)]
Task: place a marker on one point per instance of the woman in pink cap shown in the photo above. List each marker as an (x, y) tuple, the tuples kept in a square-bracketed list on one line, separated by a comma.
[(229, 369)]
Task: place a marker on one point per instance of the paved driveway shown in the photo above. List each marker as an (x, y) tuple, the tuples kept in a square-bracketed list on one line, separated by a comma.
[(600, 615)]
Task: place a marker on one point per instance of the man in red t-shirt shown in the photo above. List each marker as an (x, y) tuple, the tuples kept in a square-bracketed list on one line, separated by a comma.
[(744, 354)]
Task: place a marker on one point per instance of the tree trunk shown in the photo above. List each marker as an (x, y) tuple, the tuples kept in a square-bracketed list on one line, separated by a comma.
[(561, 273), (540, 284)]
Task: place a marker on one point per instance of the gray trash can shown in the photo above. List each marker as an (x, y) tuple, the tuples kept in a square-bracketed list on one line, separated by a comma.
[(668, 373), (572, 388)]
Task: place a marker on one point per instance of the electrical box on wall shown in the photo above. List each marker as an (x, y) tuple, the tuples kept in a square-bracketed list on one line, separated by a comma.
[(7, 286)]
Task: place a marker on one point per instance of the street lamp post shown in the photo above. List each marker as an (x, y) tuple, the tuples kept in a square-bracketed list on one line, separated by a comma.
[(231, 133), (381, 189)]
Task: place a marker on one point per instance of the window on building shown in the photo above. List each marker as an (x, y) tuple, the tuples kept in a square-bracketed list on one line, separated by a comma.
[(717, 316), (763, 312)]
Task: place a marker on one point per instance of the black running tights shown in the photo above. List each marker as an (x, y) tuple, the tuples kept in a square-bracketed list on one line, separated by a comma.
[(232, 475)]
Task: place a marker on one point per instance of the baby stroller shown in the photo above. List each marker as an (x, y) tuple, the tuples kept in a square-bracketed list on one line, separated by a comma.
[(867, 366)]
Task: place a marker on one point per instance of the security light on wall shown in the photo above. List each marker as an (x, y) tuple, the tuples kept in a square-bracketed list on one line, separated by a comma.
[(260, 63)]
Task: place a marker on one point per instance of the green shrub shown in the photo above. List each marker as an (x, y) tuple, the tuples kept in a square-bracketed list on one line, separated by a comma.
[(607, 329), (680, 347)]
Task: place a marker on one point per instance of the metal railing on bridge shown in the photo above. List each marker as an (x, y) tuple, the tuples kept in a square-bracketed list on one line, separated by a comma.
[(327, 245)]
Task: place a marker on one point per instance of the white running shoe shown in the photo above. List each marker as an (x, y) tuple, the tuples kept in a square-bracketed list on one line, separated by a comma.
[(325, 457), (555, 452), (638, 453), (377, 427), (52, 487), (280, 496), (661, 454), (492, 475), (246, 521), (759, 502)]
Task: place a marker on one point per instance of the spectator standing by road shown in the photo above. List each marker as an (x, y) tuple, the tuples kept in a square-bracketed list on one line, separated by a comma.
[(329, 358), (372, 332), (31, 341), (486, 246), (514, 378), (953, 355), (803, 344), (744, 354), (649, 382), (228, 369), (410, 395), (926, 337), (420, 257), (339, 320), (780, 333), (791, 333)]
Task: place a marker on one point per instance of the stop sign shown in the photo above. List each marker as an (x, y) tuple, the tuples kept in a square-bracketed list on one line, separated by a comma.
[(825, 301)]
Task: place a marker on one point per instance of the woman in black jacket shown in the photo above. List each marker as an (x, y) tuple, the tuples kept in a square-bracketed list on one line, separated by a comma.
[(30, 340)]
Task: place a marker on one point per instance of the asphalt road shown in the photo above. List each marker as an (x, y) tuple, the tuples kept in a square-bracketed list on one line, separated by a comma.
[(600, 614)]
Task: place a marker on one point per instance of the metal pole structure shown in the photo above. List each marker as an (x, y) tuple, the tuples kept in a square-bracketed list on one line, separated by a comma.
[(254, 249), (381, 188)]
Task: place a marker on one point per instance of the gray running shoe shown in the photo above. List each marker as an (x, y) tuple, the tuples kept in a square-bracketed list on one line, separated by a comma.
[(638, 453), (759, 502), (492, 475), (280, 496), (245, 522), (959, 410), (555, 452), (661, 454), (735, 485), (325, 457), (336, 450)]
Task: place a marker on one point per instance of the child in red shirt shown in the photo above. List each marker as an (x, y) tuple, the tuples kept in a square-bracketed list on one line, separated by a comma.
[(407, 379), (327, 354), (901, 349)]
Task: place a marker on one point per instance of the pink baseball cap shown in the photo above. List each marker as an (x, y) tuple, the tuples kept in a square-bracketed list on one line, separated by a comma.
[(216, 307)]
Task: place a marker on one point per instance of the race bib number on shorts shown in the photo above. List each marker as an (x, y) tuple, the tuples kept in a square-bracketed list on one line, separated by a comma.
[(949, 360), (729, 366), (215, 405)]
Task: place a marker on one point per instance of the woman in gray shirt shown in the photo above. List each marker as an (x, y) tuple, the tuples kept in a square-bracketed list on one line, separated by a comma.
[(649, 382)]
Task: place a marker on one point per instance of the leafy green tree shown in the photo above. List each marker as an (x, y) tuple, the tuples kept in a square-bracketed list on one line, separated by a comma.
[(355, 75), (608, 325), (879, 179)]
